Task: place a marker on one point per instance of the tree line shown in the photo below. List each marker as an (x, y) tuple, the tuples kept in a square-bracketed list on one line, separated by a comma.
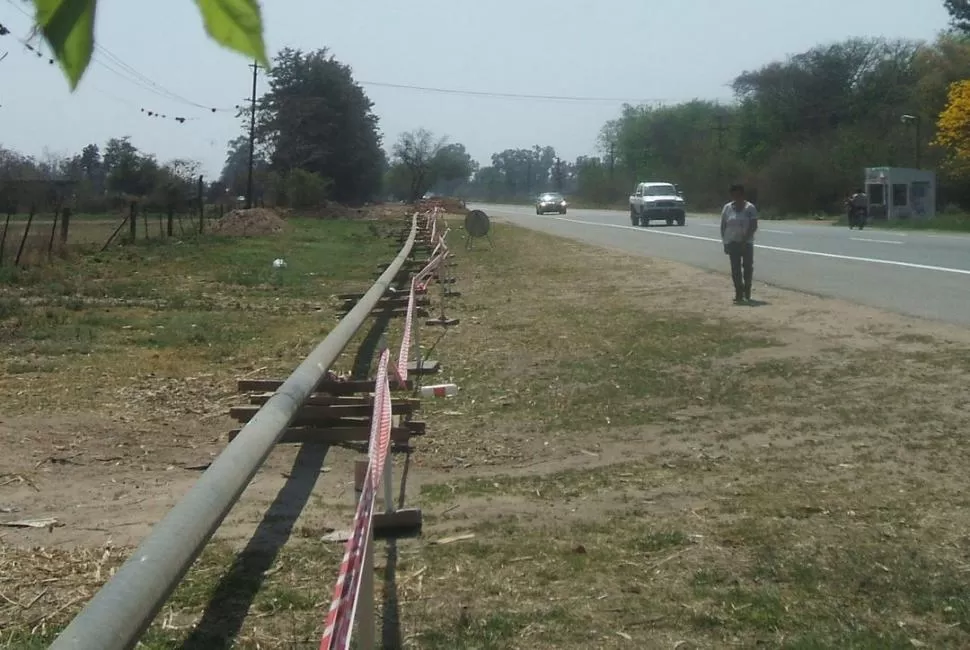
[(96, 180), (800, 132)]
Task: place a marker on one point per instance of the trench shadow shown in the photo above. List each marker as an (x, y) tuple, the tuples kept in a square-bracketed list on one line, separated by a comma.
[(223, 617), (234, 595), (391, 638)]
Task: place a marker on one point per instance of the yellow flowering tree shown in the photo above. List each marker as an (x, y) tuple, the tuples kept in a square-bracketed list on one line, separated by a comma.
[(953, 130)]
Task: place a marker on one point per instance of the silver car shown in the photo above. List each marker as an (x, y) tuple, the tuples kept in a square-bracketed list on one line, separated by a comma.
[(551, 202)]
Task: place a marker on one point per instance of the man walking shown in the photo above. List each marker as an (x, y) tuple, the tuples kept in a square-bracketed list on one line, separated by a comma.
[(739, 221), (858, 209)]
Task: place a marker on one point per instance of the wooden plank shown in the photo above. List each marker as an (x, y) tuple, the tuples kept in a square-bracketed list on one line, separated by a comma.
[(333, 387), (428, 367), (442, 321), (322, 399), (398, 312), (416, 427), (313, 414), (390, 303), (299, 435), (359, 295), (397, 524)]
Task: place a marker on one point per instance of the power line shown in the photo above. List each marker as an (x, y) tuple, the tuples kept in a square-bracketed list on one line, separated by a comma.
[(117, 66), (504, 95), (36, 51)]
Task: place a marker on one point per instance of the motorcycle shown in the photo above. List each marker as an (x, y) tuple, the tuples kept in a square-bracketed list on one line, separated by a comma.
[(857, 217)]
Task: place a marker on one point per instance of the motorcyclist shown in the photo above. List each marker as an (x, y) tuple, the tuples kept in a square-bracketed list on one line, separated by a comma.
[(858, 204)]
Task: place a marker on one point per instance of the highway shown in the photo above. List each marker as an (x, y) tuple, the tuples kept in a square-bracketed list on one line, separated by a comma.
[(915, 273)]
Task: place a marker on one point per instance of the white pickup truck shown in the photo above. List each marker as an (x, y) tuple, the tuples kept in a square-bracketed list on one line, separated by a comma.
[(657, 202)]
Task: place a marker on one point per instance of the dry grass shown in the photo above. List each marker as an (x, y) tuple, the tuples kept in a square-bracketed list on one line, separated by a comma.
[(644, 466), (632, 463)]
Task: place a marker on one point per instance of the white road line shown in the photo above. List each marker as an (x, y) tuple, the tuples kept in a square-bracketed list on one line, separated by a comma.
[(851, 258), (777, 232), (877, 241)]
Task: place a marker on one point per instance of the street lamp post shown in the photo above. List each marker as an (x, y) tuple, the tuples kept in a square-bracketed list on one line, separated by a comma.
[(917, 121)]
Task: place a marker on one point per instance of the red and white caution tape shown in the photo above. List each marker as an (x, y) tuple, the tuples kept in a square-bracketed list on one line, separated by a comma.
[(343, 608), (405, 353)]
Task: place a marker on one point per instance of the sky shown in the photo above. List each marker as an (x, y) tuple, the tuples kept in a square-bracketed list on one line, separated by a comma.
[(609, 50)]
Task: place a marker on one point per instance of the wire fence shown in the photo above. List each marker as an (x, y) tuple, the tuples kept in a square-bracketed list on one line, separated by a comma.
[(39, 235)]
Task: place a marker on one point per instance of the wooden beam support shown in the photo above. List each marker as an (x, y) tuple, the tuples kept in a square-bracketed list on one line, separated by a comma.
[(332, 387), (398, 312), (322, 399), (314, 414), (341, 435), (427, 367), (397, 524)]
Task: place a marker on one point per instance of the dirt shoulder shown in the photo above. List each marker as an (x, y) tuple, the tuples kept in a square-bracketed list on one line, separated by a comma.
[(644, 464)]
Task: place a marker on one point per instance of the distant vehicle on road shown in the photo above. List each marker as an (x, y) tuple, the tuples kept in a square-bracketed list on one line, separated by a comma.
[(657, 201), (551, 202)]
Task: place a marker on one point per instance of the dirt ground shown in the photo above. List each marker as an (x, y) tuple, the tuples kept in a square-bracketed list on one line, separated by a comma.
[(629, 464)]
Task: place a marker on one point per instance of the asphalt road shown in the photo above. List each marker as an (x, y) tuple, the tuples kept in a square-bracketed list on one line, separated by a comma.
[(915, 273)]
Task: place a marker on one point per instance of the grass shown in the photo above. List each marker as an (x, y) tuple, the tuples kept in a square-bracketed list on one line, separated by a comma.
[(159, 330), (215, 302), (628, 464), (639, 471)]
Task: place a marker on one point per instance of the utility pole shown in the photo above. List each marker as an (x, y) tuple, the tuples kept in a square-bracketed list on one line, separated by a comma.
[(720, 129), (528, 179), (612, 159), (917, 121), (558, 174), (252, 138)]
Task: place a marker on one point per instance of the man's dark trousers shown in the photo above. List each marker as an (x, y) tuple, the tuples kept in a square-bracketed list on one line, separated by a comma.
[(742, 267)]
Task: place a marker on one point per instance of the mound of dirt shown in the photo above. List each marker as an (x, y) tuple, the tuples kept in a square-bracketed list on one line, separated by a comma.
[(248, 223), (448, 204)]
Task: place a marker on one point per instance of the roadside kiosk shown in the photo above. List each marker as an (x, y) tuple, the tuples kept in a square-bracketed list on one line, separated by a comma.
[(901, 193)]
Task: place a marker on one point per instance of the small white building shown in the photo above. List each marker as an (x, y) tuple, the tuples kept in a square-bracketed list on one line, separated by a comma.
[(901, 193)]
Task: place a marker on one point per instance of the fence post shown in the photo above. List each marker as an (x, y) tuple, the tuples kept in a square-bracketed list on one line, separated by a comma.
[(50, 241), (23, 240), (201, 205), (65, 224), (3, 237), (133, 221), (365, 602), (171, 220), (144, 216)]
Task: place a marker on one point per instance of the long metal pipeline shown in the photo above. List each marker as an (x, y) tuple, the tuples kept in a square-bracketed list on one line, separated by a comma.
[(126, 605)]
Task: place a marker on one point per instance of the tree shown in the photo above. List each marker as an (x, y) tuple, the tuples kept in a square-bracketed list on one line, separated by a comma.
[(953, 131), (959, 11), (451, 168), (423, 162), (127, 170), (315, 117), (305, 189), (235, 171), (414, 154), (68, 27)]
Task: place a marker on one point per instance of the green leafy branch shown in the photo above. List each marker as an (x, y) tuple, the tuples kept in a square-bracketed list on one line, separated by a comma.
[(68, 26)]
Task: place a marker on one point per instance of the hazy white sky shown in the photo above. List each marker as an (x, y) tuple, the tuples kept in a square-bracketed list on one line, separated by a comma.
[(625, 49)]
